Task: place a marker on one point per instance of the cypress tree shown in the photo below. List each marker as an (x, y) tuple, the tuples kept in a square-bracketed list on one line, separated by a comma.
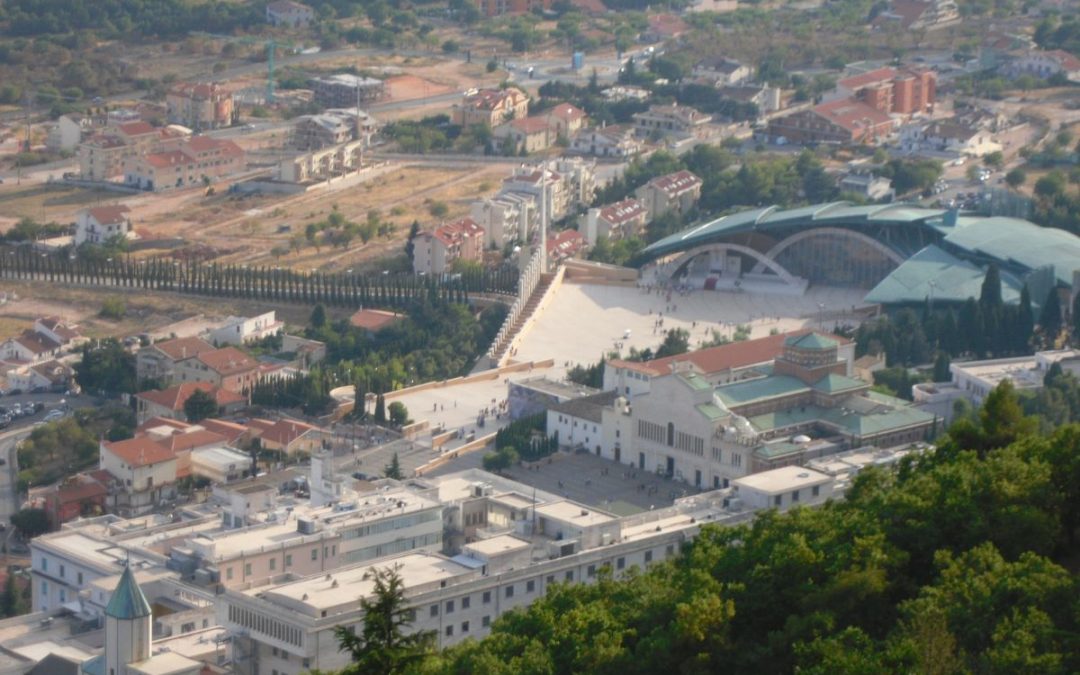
[(1050, 318), (380, 409)]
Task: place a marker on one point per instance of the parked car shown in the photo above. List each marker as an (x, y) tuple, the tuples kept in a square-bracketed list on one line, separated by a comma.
[(5, 421), (53, 415), (39, 406)]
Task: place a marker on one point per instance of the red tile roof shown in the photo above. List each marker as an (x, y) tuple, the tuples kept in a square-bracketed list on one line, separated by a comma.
[(230, 430), (668, 25), (565, 244), (137, 128), (622, 212), (866, 79), (374, 319), (566, 111), (490, 99), (455, 232), (227, 361), (855, 116), (283, 432), (155, 422), (36, 342), (183, 348), (676, 183), (137, 452), (174, 397), (163, 160), (718, 359), (1067, 61), (201, 144), (110, 215), (195, 438), (530, 125)]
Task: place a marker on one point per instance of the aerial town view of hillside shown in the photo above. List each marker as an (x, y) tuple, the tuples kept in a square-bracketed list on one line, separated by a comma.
[(469, 337)]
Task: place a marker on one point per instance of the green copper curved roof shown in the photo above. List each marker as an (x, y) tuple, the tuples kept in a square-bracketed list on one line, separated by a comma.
[(127, 601), (772, 217)]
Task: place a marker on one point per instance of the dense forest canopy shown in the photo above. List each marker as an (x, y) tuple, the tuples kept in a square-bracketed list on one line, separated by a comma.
[(117, 18)]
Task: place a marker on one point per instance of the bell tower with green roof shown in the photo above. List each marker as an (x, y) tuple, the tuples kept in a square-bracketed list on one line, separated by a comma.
[(128, 625)]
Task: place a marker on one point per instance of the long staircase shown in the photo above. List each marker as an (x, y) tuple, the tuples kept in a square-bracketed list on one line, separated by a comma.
[(523, 316)]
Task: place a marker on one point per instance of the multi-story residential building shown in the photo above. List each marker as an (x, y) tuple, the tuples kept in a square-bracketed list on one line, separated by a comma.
[(346, 91), (952, 136), (491, 107), (615, 221), (239, 330), (507, 217), (289, 14), (144, 472), (314, 132), (102, 155), (900, 91), (530, 134), (844, 121), (68, 131), (566, 119), (670, 121), (617, 140), (100, 224), (199, 105), (158, 361), (322, 165), (563, 245), (434, 251), (678, 192), (226, 368), (169, 403), (197, 160), (48, 338)]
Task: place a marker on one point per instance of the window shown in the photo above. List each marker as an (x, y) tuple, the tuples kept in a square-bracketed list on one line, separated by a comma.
[(449, 606), (670, 551), (465, 602), (247, 569), (530, 585), (795, 496), (314, 554), (569, 576), (510, 591), (777, 500), (591, 572), (61, 571), (434, 610), (648, 556), (464, 626), (550, 579), (80, 573), (487, 597), (273, 564), (486, 621), (620, 563), (288, 560), (449, 631), (816, 490), (274, 651), (44, 564), (228, 574)]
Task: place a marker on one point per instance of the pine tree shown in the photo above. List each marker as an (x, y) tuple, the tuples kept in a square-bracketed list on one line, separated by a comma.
[(393, 469), (1050, 318), (380, 409), (410, 247), (318, 317), (941, 367), (1025, 322)]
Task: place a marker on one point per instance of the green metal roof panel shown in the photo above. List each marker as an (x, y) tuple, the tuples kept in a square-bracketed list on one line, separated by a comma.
[(740, 393), (877, 423), (812, 341), (836, 384), (1030, 245), (694, 381), (803, 213), (935, 273), (774, 450), (785, 418), (711, 411), (127, 601)]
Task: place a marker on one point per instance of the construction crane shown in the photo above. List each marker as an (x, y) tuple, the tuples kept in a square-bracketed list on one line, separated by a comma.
[(271, 46)]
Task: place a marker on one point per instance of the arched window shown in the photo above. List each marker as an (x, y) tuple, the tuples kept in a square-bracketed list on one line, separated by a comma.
[(670, 434)]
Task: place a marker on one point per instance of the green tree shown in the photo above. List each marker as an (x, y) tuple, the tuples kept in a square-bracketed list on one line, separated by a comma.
[(500, 460), (410, 247), (941, 367), (383, 647), (10, 602), (676, 341), (318, 317), (393, 469), (399, 414), (1015, 178), (30, 522), (200, 405), (1050, 317), (380, 409), (113, 309), (107, 368), (990, 295)]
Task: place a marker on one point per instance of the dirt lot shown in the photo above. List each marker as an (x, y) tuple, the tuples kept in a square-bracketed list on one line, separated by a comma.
[(145, 312), (46, 203)]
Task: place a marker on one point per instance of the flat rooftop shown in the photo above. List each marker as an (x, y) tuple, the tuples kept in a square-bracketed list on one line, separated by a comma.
[(562, 390), (784, 479), (97, 553), (570, 512), (343, 587), (497, 546)]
